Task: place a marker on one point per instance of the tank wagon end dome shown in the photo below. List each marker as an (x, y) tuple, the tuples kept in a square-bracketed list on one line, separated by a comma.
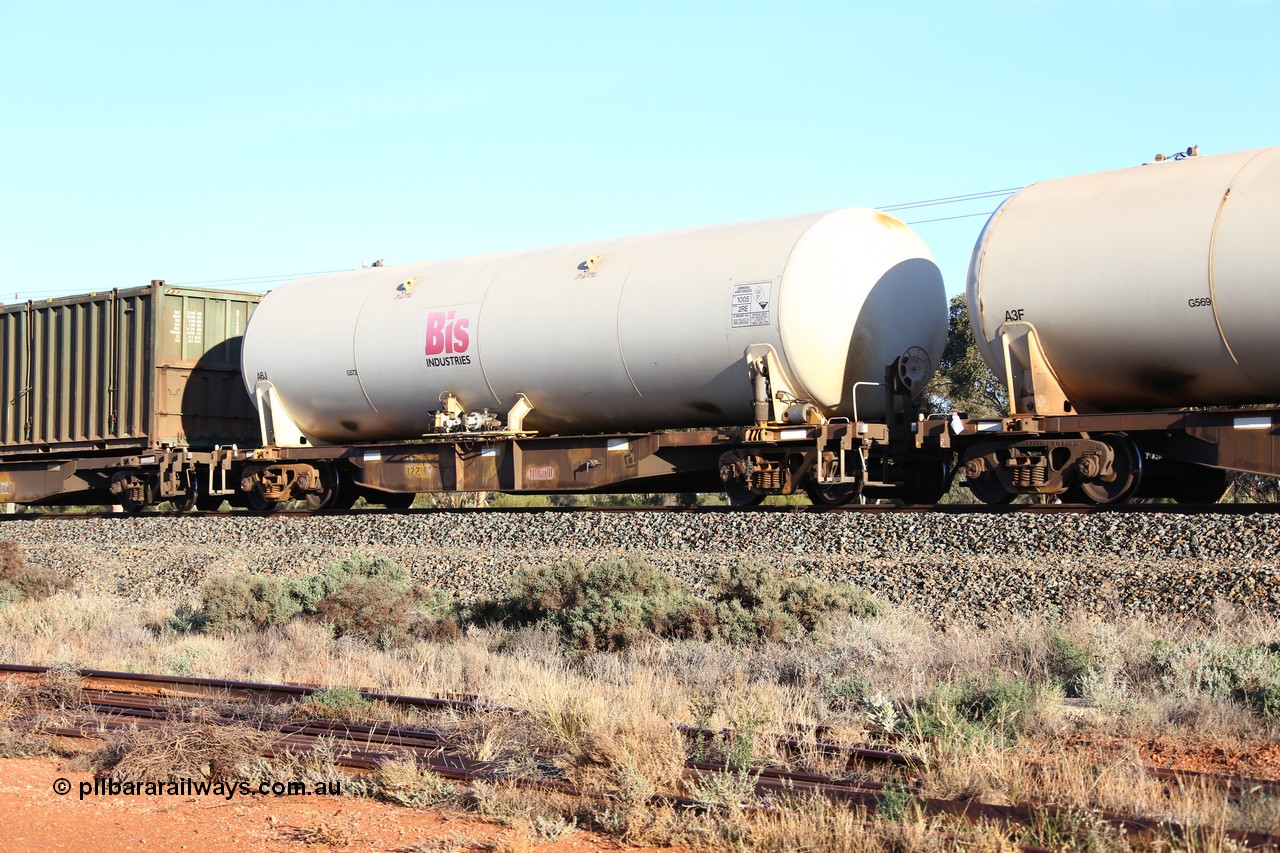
[(885, 278)]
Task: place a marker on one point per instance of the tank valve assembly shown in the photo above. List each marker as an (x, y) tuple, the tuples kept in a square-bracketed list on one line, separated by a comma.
[(455, 418)]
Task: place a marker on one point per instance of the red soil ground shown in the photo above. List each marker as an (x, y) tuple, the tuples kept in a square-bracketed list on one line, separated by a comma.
[(34, 818)]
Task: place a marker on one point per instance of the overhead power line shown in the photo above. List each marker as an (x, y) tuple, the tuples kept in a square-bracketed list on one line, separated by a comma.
[(279, 277), (945, 218), (955, 199)]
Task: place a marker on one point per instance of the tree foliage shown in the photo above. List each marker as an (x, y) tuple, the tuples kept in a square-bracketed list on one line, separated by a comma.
[(1253, 488), (963, 382)]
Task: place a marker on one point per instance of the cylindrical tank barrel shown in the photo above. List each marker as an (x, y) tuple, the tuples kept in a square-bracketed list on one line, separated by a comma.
[(618, 335), (1151, 287)]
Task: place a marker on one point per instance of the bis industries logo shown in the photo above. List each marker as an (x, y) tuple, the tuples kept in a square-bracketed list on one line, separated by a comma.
[(449, 334)]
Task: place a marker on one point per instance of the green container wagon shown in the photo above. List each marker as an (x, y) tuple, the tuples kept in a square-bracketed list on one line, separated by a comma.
[(122, 392)]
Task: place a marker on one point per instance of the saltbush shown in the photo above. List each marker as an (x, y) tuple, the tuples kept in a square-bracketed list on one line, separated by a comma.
[(244, 602), (612, 604), (372, 597), (607, 606), (1246, 674), (753, 601)]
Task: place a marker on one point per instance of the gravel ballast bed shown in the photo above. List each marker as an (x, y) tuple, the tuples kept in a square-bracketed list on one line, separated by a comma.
[(943, 565)]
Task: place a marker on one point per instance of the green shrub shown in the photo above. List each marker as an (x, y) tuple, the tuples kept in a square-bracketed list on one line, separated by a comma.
[(976, 709), (372, 597), (845, 694), (366, 606), (1247, 674), (1069, 664), (383, 571), (612, 604), (896, 803), (334, 703), (607, 606), (1003, 705), (243, 602), (753, 601)]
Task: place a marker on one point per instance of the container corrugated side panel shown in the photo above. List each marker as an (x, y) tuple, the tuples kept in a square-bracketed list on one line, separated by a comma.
[(77, 372), (200, 395)]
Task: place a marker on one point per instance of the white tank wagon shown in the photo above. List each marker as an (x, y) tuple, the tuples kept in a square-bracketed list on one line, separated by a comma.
[(1151, 287), (672, 330), (1126, 312)]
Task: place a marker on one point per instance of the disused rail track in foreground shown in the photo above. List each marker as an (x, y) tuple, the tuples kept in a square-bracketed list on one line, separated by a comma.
[(115, 702), (1226, 509)]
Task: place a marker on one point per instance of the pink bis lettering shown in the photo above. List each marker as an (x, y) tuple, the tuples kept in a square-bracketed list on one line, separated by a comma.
[(445, 334)]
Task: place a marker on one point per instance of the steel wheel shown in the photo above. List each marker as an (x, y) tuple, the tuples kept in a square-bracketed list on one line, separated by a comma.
[(1074, 495), (324, 497), (1127, 466), (1203, 486), (258, 503), (989, 490), (186, 501), (929, 483), (209, 503), (739, 495)]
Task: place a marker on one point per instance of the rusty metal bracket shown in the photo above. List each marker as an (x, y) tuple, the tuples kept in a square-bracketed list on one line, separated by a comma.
[(220, 462), (1033, 386)]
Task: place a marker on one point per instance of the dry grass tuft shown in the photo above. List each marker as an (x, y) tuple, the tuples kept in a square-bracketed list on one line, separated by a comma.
[(174, 751), (327, 832), (20, 582), (818, 826), (14, 700), (616, 756), (519, 840), (15, 743), (402, 781), (61, 687)]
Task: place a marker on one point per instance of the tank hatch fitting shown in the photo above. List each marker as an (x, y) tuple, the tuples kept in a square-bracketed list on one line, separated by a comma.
[(455, 418)]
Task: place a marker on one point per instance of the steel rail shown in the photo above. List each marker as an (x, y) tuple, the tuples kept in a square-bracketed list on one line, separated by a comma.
[(98, 685), (1229, 509), (147, 704), (769, 783)]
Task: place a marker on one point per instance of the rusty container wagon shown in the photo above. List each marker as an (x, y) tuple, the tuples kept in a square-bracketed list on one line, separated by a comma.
[(124, 396)]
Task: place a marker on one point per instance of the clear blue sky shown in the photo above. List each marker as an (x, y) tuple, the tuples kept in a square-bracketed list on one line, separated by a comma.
[(195, 142)]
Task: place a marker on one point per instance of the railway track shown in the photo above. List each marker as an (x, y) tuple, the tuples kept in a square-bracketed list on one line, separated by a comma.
[(113, 702), (1240, 509)]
